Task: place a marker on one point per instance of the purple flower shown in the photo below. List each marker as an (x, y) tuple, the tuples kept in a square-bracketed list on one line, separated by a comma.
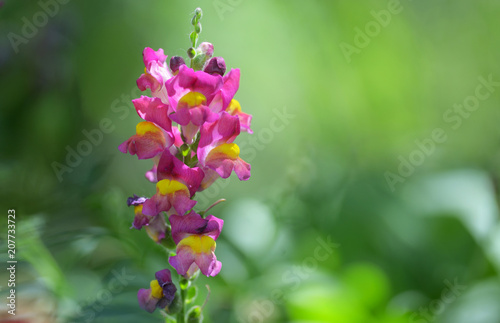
[(195, 238), (155, 225), (160, 294)]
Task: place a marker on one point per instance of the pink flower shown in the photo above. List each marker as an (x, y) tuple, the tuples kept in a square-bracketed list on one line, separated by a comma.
[(169, 194), (195, 239), (187, 80), (216, 150), (156, 73), (153, 135)]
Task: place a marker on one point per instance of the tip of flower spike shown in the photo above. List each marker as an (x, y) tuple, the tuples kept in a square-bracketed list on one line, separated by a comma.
[(216, 65), (198, 13)]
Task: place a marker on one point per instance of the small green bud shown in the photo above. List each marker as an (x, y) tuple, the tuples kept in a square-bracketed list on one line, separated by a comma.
[(194, 20), (191, 294), (195, 315), (191, 52), (175, 306), (197, 28), (194, 38), (184, 283), (198, 13)]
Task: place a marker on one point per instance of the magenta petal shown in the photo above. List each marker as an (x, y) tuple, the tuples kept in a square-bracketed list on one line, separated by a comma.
[(224, 130), (170, 167), (230, 87), (223, 167), (242, 169), (182, 203), (193, 223), (151, 174), (147, 81), (145, 146), (216, 268), (146, 301), (208, 264), (188, 80), (154, 110), (155, 205), (210, 177), (149, 55), (140, 220), (182, 261)]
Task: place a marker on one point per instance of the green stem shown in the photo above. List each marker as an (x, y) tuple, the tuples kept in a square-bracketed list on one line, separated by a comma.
[(181, 316)]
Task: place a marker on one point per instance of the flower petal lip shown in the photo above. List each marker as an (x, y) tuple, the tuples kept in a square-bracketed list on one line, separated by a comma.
[(154, 110), (170, 167), (194, 224), (198, 249), (146, 301), (187, 80), (149, 55), (148, 142), (169, 193), (156, 228), (234, 109)]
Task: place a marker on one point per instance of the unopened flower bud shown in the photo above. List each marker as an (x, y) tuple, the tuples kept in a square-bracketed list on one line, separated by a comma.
[(206, 49), (197, 28), (215, 65), (198, 13), (195, 315), (175, 63), (191, 52)]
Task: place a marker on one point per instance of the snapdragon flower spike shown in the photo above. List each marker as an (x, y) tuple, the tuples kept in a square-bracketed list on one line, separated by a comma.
[(169, 194), (160, 294), (156, 73), (191, 113), (187, 80), (170, 167), (195, 239), (156, 226), (216, 150)]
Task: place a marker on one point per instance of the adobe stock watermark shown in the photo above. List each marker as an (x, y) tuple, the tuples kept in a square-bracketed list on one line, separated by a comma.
[(363, 37), (31, 27), (435, 308), (222, 7), (93, 306), (94, 137), (250, 146), (454, 117), (263, 309)]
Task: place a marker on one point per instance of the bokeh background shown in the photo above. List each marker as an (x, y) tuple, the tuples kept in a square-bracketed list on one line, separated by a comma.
[(372, 198)]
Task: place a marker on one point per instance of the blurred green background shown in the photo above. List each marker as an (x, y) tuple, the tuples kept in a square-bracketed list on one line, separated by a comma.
[(346, 98)]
